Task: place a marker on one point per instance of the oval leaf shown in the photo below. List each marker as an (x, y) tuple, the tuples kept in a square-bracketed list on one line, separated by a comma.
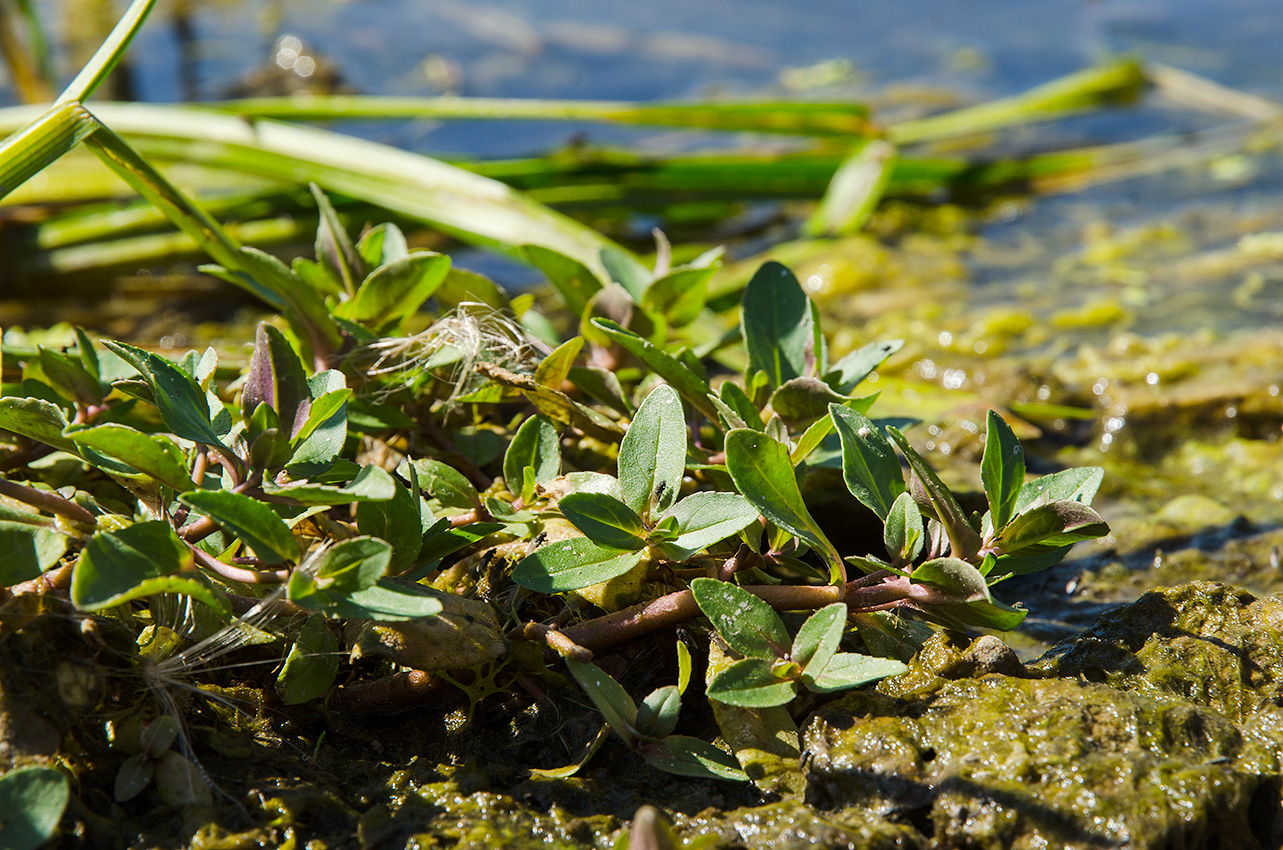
[(652, 455), (1002, 470), (777, 323), (32, 800), (610, 698), (819, 637), (151, 454), (869, 465), (253, 522), (706, 518), (762, 470), (604, 519), (748, 624), (572, 564), (749, 683)]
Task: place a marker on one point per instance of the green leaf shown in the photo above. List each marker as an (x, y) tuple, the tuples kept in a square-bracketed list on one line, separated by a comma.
[(37, 420), (818, 432), (277, 284), (387, 601), (1002, 470), (398, 521), (733, 395), (1072, 485), (686, 756), (151, 454), (679, 296), (371, 484), (311, 664), (182, 404), (691, 387), (252, 521), (334, 249), (954, 576), (601, 384), (652, 455), (869, 465), (442, 539), (657, 715), (29, 550), (342, 570), (573, 564), (553, 369), (446, 484), (32, 800), (69, 377), (319, 440), (684, 667), (904, 533), (776, 320), (574, 282), (963, 539), (396, 290), (604, 519), (382, 244), (801, 401), (323, 413), (850, 670), (749, 683), (852, 369), (137, 561), (763, 471), (535, 446), (819, 637), (707, 518), (611, 699), (624, 270), (748, 624), (1049, 526), (276, 378)]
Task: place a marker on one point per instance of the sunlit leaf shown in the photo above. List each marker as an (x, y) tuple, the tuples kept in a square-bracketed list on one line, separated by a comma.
[(869, 465), (250, 520), (1002, 469), (604, 519), (749, 683), (652, 456), (748, 624), (777, 324), (573, 564)]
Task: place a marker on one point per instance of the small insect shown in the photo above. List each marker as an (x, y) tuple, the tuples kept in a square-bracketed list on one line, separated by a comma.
[(660, 489)]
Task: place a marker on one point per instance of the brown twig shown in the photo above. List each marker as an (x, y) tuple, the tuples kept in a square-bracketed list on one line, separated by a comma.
[(556, 640)]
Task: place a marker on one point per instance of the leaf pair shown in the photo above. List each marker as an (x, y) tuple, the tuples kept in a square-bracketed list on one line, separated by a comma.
[(620, 533), (774, 665)]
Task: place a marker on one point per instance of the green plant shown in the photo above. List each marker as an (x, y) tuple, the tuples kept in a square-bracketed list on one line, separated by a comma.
[(445, 494)]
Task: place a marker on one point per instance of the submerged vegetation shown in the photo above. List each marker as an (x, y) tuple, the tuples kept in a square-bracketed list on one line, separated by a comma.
[(416, 493)]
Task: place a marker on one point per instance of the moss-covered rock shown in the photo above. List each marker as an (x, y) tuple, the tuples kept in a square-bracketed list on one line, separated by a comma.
[(1000, 762)]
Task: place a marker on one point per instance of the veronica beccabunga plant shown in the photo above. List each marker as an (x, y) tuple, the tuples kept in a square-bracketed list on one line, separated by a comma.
[(491, 517)]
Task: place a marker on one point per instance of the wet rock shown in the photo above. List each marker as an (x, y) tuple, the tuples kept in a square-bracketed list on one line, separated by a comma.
[(1206, 642), (1000, 762), (465, 634), (790, 824)]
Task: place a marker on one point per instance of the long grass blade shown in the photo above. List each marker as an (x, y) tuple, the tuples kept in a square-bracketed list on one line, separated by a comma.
[(117, 154), (809, 118), (855, 191), (104, 60), (1121, 81), (467, 205)]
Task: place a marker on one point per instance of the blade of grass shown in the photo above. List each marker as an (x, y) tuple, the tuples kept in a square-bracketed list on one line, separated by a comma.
[(854, 192), (467, 205), (807, 118), (1120, 81)]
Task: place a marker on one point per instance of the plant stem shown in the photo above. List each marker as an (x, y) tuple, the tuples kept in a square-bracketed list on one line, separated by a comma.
[(234, 573), (46, 501), (679, 607)]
